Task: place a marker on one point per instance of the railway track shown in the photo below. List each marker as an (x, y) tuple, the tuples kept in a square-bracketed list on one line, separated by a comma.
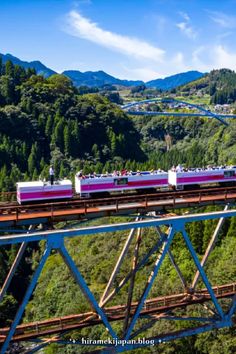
[(8, 206), (154, 307), (77, 209)]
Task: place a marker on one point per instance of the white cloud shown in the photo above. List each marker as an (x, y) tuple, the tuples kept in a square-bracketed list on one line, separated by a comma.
[(206, 58), (146, 61), (177, 62), (223, 20), (184, 15), (82, 27), (224, 58), (198, 63), (187, 30), (185, 26), (173, 65)]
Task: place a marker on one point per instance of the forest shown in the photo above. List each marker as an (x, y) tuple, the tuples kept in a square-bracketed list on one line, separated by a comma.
[(49, 121), (219, 84)]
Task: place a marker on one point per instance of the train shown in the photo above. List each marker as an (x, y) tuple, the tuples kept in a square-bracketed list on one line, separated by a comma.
[(94, 185)]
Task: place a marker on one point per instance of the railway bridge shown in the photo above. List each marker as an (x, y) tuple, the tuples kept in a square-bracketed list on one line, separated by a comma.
[(195, 110), (167, 214)]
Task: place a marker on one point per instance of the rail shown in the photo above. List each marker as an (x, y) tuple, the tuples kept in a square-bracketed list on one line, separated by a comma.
[(115, 204), (158, 305), (117, 200), (123, 199)]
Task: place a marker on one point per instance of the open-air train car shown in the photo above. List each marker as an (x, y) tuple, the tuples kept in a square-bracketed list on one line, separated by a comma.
[(144, 180), (198, 177), (28, 192)]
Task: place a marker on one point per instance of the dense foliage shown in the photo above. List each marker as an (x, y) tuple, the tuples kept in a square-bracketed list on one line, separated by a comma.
[(219, 84), (45, 121)]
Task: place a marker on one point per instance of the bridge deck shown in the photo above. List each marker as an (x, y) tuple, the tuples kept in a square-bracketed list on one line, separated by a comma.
[(80, 209)]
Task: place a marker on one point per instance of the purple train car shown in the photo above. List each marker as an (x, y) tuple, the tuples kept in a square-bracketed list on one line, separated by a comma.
[(40, 191)]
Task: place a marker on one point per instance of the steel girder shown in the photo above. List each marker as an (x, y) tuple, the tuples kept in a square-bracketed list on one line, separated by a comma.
[(218, 318)]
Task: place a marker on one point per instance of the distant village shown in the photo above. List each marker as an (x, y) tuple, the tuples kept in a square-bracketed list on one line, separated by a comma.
[(152, 107)]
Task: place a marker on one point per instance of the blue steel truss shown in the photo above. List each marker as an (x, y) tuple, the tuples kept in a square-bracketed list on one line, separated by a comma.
[(203, 111), (54, 240)]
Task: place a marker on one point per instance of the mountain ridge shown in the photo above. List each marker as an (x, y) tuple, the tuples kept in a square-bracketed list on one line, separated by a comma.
[(101, 78), (176, 80), (40, 68), (97, 79)]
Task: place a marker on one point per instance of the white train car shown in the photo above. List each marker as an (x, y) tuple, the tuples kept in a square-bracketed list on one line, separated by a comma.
[(28, 192), (87, 186), (180, 179)]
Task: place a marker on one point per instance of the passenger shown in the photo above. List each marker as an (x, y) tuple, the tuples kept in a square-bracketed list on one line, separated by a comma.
[(51, 173), (173, 168), (80, 174), (179, 168), (138, 173)]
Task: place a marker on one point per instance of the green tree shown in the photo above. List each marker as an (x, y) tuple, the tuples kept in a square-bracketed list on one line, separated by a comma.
[(196, 231), (9, 68), (59, 134), (33, 160), (67, 141), (49, 126)]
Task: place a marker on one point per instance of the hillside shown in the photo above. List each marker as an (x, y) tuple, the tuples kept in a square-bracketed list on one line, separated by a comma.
[(219, 84), (173, 81), (96, 79), (40, 68), (46, 120)]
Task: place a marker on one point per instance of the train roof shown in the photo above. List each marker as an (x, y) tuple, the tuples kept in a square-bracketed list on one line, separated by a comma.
[(63, 182)]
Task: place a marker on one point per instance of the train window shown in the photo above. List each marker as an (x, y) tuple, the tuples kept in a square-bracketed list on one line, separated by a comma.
[(229, 174), (120, 181)]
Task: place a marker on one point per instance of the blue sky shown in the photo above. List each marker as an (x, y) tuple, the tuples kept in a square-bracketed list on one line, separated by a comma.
[(132, 39)]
